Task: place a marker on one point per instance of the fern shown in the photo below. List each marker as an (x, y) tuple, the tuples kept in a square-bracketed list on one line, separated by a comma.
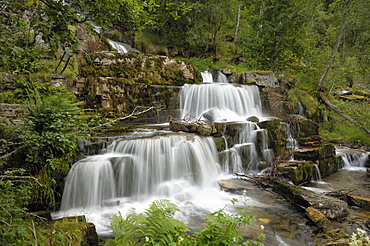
[(156, 226)]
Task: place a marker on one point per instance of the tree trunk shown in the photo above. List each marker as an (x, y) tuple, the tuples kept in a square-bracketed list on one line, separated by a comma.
[(323, 76), (237, 25), (336, 46), (336, 109)]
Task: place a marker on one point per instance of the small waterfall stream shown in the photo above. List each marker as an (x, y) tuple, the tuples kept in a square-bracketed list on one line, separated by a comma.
[(353, 159)]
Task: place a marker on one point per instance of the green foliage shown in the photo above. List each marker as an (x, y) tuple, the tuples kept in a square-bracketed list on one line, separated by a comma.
[(273, 40), (223, 228), (157, 226), (66, 231), (15, 227), (50, 138), (339, 128)]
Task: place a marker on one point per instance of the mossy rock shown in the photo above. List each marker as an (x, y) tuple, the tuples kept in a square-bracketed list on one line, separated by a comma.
[(68, 231), (307, 154), (276, 135), (298, 171)]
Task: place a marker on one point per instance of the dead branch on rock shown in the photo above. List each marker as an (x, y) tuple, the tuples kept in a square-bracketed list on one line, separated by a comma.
[(191, 118), (133, 114)]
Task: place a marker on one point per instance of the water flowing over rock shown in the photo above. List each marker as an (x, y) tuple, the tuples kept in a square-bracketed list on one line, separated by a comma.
[(141, 168), (228, 102)]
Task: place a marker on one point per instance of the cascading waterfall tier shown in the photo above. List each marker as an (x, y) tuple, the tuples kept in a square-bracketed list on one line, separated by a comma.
[(250, 151), (220, 102), (209, 75), (136, 169), (353, 158)]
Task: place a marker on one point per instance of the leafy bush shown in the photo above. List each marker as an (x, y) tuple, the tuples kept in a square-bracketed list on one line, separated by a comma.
[(50, 139)]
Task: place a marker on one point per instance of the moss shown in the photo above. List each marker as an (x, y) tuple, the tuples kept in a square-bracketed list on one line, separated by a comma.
[(276, 135), (309, 102), (298, 171), (68, 231), (261, 72), (220, 144)]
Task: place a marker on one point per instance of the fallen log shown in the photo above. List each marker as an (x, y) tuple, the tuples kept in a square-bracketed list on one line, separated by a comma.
[(331, 207)]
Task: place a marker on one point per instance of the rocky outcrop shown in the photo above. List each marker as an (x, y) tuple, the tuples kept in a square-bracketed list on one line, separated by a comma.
[(276, 102), (277, 137), (201, 129), (12, 111), (117, 83)]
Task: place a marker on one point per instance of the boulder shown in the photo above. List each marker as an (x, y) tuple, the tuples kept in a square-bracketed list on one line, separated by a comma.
[(201, 129)]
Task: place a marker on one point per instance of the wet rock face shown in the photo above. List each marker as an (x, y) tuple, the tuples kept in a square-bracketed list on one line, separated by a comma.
[(277, 102), (261, 78)]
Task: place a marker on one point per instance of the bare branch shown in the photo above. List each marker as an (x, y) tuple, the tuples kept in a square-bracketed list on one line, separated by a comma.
[(19, 177), (133, 114), (336, 46)]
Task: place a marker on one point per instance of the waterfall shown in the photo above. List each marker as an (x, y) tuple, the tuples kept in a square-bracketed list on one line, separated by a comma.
[(249, 152), (220, 102), (221, 78), (141, 168), (318, 174), (292, 143), (301, 110), (209, 75), (352, 158), (118, 46)]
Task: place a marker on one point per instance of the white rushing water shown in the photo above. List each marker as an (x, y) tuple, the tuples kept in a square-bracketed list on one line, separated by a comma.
[(208, 77), (220, 102), (135, 172), (353, 159), (120, 47)]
